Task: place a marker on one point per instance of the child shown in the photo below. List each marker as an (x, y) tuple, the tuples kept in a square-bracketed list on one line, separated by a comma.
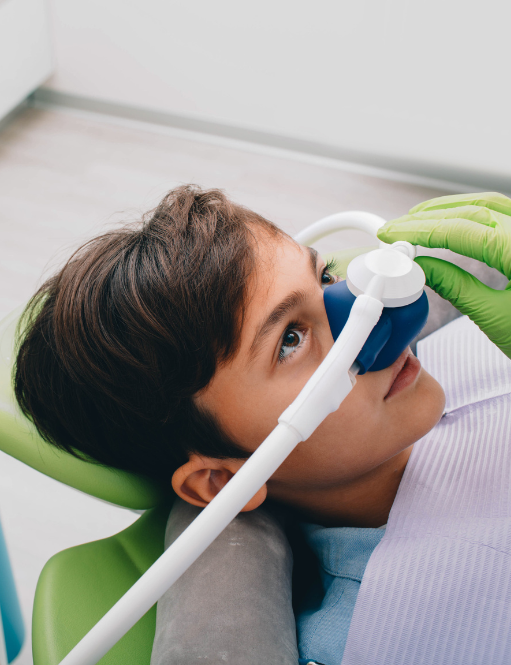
[(171, 348)]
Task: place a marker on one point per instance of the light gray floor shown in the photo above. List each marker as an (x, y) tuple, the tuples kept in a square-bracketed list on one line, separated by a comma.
[(63, 177)]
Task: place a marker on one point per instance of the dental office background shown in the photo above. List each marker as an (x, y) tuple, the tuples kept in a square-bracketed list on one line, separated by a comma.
[(415, 86), (414, 91)]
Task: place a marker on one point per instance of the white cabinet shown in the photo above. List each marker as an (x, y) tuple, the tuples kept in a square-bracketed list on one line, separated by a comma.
[(25, 54)]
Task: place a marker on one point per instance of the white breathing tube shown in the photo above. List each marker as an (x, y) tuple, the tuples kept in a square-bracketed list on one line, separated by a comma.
[(321, 395)]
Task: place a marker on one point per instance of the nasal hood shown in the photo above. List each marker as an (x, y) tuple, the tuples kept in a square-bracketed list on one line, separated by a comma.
[(397, 326)]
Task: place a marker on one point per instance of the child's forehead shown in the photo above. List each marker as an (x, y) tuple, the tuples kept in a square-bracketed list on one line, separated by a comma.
[(279, 258), (271, 247), (282, 268)]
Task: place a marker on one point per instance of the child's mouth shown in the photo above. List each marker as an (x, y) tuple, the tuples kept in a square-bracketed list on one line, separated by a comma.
[(407, 370)]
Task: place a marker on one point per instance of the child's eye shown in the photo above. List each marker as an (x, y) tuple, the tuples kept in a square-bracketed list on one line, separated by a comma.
[(290, 342), (327, 278)]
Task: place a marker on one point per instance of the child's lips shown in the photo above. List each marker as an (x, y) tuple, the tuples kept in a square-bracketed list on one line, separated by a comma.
[(407, 369)]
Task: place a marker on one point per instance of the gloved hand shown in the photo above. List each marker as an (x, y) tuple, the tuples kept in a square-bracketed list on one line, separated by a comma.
[(475, 225)]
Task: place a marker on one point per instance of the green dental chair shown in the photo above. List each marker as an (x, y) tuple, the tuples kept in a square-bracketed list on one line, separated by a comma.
[(79, 585)]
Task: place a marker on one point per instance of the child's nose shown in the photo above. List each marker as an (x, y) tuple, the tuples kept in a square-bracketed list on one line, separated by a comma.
[(397, 327)]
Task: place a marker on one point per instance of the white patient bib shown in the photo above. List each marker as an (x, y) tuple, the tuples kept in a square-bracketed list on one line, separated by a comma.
[(437, 588)]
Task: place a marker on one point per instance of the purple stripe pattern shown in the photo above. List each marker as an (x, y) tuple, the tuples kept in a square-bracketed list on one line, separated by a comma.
[(437, 588)]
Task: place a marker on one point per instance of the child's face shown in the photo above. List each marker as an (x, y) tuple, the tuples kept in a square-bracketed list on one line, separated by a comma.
[(285, 336)]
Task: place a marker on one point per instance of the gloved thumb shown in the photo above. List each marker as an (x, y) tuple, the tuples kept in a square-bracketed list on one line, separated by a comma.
[(488, 308), (460, 288)]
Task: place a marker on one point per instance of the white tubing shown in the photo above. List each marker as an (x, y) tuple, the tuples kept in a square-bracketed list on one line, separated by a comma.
[(352, 219), (330, 383), (185, 549)]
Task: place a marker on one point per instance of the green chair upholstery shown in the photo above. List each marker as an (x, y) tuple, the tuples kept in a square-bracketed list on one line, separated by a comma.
[(79, 585)]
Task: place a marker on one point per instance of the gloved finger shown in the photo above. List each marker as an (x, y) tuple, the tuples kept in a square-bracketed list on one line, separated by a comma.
[(461, 289), (488, 308), (463, 236), (476, 214), (456, 285), (490, 200), (443, 218)]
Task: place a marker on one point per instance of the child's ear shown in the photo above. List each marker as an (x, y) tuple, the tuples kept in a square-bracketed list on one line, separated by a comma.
[(201, 478)]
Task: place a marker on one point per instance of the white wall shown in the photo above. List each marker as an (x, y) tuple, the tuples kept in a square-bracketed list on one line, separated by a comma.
[(25, 55), (409, 80)]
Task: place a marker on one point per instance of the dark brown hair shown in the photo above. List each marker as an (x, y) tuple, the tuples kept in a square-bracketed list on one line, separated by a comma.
[(114, 347)]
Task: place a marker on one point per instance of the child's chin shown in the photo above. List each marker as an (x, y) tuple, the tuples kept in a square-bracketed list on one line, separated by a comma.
[(432, 401)]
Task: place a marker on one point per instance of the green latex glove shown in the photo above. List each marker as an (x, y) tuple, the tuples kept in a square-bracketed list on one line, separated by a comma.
[(475, 225)]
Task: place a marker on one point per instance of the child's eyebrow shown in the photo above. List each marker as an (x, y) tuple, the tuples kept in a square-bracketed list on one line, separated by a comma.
[(282, 309), (313, 256), (274, 319)]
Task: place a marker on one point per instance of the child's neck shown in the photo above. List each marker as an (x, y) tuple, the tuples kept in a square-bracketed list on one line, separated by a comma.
[(363, 503)]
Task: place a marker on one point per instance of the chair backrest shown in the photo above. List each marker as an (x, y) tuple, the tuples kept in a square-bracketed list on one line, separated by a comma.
[(79, 585)]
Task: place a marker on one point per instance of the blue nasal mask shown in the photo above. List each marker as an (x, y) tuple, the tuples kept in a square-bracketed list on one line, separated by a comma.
[(403, 317), (397, 327)]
